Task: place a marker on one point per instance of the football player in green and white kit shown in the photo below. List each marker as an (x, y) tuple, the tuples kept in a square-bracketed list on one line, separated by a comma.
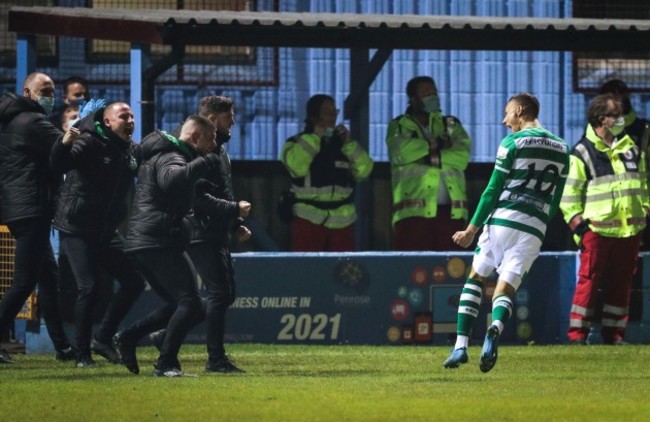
[(521, 198)]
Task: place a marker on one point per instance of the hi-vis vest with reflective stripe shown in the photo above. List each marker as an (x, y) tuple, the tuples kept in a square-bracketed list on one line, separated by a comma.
[(607, 186), (324, 175), (415, 180)]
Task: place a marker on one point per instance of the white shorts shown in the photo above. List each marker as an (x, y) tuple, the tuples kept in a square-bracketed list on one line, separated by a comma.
[(511, 252)]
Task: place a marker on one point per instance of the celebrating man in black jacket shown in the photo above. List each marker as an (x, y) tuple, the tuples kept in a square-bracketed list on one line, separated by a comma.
[(100, 168), (157, 237), (217, 216), (27, 190)]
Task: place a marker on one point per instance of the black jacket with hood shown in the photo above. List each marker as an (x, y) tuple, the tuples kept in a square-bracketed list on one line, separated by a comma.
[(164, 192), (100, 169), (27, 184)]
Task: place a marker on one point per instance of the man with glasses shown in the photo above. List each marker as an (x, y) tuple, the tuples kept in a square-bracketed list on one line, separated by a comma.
[(605, 203)]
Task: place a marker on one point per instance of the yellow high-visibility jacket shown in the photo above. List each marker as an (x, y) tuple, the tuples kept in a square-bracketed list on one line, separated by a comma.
[(607, 186), (415, 177)]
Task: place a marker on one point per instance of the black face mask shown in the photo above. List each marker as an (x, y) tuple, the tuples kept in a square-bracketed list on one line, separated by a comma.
[(222, 138)]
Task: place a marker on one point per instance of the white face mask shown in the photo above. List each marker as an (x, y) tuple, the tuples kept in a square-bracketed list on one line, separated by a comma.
[(328, 132), (47, 103), (619, 126)]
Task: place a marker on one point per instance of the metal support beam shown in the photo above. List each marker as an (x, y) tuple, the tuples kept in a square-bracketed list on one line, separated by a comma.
[(362, 77), (140, 59), (357, 109), (25, 59), (147, 85)]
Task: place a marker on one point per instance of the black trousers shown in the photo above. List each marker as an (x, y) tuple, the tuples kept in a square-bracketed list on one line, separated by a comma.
[(214, 266), (89, 259), (169, 272), (34, 264)]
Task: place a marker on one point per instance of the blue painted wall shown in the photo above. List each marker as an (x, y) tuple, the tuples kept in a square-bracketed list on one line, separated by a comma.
[(473, 85)]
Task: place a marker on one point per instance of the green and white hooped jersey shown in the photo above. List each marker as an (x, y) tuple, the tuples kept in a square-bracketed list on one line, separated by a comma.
[(526, 186)]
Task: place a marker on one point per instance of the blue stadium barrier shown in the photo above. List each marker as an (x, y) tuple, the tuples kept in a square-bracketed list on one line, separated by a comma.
[(388, 298)]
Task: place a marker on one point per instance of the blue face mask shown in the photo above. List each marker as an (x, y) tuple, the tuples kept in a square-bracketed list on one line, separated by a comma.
[(47, 103), (431, 104)]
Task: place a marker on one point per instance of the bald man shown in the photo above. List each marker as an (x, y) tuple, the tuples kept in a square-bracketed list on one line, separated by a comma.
[(27, 187), (100, 167)]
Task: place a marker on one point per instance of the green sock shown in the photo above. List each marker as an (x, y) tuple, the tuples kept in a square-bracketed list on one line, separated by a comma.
[(501, 310), (468, 306)]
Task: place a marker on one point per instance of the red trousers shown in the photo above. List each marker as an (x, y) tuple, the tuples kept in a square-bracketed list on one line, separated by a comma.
[(613, 259), (309, 237), (428, 234)]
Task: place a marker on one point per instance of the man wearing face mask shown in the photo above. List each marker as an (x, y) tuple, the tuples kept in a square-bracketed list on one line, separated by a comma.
[(100, 168), (429, 153), (324, 163), (635, 126), (75, 93), (27, 193), (605, 203)]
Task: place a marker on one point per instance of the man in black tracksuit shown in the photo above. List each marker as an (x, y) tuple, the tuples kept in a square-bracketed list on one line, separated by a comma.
[(27, 191), (157, 237), (216, 217), (100, 168)]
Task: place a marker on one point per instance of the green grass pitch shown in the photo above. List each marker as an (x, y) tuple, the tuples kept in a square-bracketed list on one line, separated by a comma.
[(340, 383)]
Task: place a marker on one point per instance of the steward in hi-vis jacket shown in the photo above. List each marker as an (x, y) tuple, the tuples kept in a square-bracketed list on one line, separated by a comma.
[(324, 164), (428, 153), (605, 203)]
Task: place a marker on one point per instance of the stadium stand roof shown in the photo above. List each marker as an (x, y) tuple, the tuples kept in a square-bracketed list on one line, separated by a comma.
[(334, 30)]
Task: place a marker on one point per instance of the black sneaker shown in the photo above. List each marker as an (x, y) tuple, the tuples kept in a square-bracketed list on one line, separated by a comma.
[(126, 347), (86, 362), (223, 365), (157, 338), (105, 350), (66, 355), (5, 358)]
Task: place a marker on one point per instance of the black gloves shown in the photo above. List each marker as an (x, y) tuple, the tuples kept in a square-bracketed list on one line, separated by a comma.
[(581, 228)]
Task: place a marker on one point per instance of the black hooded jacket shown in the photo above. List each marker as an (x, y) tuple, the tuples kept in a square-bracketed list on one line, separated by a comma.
[(100, 169), (27, 184), (164, 193)]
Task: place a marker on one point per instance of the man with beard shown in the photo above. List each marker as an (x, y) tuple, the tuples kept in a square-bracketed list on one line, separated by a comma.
[(429, 153), (100, 167), (217, 216), (27, 192)]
